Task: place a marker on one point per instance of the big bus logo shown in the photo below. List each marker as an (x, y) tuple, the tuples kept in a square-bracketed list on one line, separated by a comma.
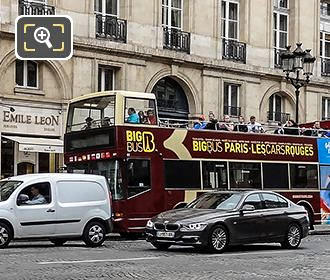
[(140, 141)]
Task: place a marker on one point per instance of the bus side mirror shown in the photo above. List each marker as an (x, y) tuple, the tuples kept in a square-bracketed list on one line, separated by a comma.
[(180, 205)]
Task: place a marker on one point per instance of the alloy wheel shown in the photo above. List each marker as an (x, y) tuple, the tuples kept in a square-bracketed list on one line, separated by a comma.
[(95, 234), (219, 239), (4, 235), (294, 236)]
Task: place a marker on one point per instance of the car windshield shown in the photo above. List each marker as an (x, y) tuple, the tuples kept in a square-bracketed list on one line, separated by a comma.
[(223, 201), (7, 188)]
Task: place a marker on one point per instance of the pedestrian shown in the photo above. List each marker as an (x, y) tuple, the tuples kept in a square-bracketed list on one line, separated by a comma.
[(201, 123), (212, 123), (226, 125), (241, 126), (254, 126)]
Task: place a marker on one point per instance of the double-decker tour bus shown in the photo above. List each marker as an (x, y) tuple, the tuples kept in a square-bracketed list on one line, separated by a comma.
[(151, 167)]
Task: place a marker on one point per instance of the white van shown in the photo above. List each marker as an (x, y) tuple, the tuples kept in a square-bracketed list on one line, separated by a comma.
[(59, 207)]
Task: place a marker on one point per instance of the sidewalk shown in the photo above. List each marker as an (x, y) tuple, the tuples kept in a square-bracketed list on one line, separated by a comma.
[(320, 230)]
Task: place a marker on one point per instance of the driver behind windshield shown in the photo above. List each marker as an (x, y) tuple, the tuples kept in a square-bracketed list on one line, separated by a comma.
[(37, 197)]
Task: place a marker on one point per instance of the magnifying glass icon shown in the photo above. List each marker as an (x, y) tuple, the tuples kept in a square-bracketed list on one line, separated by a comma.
[(42, 35)]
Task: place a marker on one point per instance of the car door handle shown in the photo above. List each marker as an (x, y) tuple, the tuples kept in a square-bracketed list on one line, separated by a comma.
[(50, 211)]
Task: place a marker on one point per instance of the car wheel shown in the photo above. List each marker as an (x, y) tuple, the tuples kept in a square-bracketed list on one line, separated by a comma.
[(94, 234), (6, 235), (161, 246), (58, 241), (292, 238), (218, 239)]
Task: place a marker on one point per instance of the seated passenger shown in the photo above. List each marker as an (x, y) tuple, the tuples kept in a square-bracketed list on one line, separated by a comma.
[(106, 121), (151, 117), (133, 117), (90, 123), (291, 128), (213, 122), (201, 123), (227, 125), (254, 126), (37, 197), (316, 131), (142, 117), (241, 126)]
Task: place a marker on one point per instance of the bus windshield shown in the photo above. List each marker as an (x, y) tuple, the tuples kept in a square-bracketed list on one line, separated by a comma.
[(7, 188), (109, 169), (91, 113)]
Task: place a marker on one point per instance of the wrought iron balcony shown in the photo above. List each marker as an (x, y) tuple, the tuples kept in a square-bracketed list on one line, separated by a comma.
[(277, 58), (34, 8), (278, 117), (111, 28), (325, 67), (234, 50), (175, 39), (232, 111)]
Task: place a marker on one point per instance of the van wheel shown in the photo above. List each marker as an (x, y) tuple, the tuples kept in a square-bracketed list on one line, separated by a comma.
[(94, 234), (6, 235), (292, 237), (58, 241)]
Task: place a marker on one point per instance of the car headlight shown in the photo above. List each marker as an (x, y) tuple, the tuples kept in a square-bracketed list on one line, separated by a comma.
[(193, 227), (150, 224)]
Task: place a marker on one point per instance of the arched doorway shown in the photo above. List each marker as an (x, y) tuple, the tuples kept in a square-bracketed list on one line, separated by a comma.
[(171, 99)]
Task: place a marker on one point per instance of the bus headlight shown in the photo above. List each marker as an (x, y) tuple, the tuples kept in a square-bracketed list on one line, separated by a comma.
[(193, 227), (150, 224)]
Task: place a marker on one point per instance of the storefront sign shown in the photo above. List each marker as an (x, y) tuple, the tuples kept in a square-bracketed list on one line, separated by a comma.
[(40, 148), (37, 121)]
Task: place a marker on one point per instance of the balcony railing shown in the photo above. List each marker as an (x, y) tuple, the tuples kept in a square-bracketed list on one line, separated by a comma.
[(278, 117), (33, 8), (111, 28), (232, 111), (234, 50), (325, 66), (175, 39), (277, 58)]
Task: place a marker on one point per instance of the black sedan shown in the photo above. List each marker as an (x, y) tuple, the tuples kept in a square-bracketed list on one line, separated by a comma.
[(216, 220)]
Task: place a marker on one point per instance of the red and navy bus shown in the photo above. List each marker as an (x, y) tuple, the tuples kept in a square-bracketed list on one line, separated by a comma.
[(152, 166)]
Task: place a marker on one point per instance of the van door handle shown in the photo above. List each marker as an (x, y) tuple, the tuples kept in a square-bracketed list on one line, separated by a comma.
[(50, 211)]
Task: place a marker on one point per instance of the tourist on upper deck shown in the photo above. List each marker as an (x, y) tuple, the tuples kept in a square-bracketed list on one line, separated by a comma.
[(241, 126), (90, 123), (213, 122), (151, 117), (201, 123), (142, 117), (226, 125), (254, 126), (316, 131), (291, 128), (133, 117)]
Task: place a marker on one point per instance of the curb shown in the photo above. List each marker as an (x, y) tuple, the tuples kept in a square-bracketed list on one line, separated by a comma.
[(319, 232)]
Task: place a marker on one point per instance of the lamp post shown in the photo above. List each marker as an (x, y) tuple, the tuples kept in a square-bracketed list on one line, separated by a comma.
[(297, 64)]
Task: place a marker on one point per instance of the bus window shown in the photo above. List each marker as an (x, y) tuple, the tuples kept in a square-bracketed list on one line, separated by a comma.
[(182, 174), (140, 111), (245, 175), (271, 178), (92, 113), (138, 176), (303, 176), (214, 174)]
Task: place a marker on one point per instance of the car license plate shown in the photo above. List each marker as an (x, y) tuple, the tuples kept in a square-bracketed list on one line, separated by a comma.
[(165, 234)]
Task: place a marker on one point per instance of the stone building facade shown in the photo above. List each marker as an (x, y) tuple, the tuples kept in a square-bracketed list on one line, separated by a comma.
[(197, 56)]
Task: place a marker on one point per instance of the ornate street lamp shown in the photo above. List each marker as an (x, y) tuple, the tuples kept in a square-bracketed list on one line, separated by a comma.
[(297, 64)]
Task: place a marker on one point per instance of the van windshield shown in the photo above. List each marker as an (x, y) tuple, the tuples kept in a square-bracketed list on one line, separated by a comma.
[(7, 188)]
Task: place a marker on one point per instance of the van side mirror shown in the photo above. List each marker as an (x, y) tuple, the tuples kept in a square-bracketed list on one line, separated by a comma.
[(247, 208), (180, 205), (22, 198)]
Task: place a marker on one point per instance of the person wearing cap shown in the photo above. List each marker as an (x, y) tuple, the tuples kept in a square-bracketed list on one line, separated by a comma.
[(201, 122)]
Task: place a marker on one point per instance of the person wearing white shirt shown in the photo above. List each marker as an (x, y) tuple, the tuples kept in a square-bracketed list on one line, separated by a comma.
[(254, 126)]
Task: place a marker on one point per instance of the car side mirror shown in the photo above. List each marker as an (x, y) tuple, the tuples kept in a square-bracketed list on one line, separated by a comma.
[(180, 205), (247, 208), (22, 198)]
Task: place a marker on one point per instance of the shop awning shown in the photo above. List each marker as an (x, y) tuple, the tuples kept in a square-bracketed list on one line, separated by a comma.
[(41, 145)]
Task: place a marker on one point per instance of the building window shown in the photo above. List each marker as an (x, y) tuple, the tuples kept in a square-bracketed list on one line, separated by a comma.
[(106, 78), (214, 175), (230, 20), (325, 108), (106, 7), (303, 176), (182, 174), (231, 100), (275, 108), (280, 29), (26, 73), (172, 14), (245, 175), (271, 180), (138, 176), (325, 52), (35, 7)]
